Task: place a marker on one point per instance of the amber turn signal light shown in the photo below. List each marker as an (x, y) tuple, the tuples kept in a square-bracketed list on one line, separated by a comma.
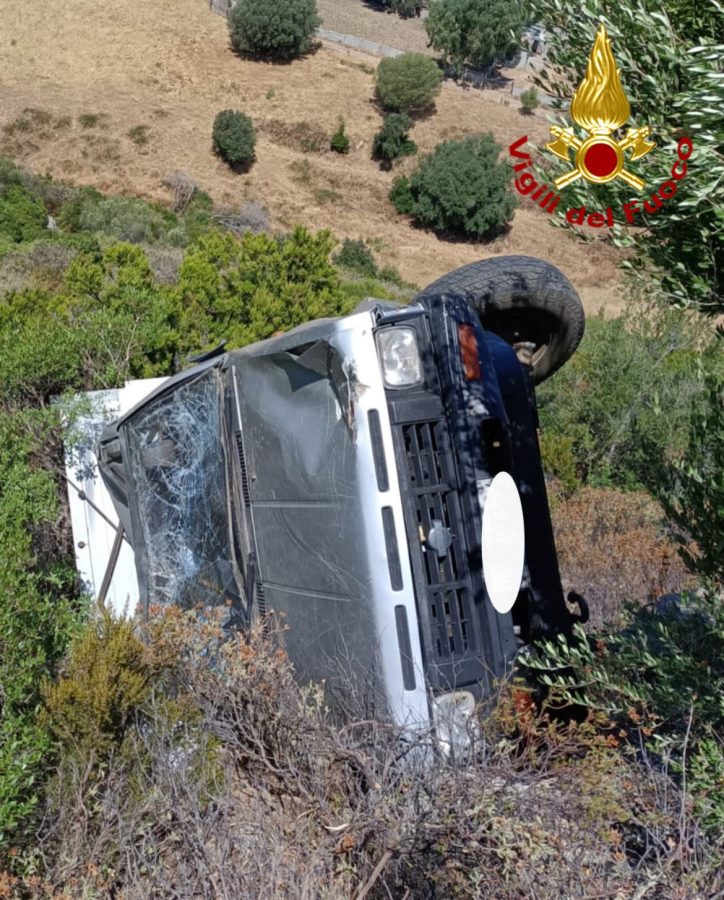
[(469, 352)]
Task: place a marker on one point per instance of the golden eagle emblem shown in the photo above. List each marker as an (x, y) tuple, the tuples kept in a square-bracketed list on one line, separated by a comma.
[(600, 107)]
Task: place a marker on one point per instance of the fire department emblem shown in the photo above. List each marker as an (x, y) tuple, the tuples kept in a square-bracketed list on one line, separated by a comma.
[(600, 107)]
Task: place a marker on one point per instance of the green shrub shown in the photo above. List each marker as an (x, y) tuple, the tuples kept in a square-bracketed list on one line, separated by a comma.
[(38, 612), (408, 83), (234, 137), (102, 688), (468, 31), (108, 321), (339, 142), (123, 218), (283, 29), (660, 682), (529, 101), (357, 257), (403, 7), (247, 289), (461, 188), (622, 404), (677, 252), (692, 489), (22, 216), (392, 141)]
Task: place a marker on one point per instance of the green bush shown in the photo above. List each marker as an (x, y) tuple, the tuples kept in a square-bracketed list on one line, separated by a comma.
[(468, 31), (461, 188), (392, 141), (676, 252), (622, 404), (357, 257), (692, 489), (234, 137), (108, 321), (403, 7), (339, 142), (408, 83), (38, 612), (22, 216), (283, 29), (102, 688), (123, 218), (246, 289), (660, 682), (529, 101)]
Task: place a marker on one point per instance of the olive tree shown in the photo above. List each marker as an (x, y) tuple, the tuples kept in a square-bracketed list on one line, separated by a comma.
[(472, 32), (671, 71), (283, 29), (461, 188)]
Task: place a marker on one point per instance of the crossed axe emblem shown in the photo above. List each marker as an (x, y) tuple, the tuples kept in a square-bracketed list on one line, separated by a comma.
[(600, 158)]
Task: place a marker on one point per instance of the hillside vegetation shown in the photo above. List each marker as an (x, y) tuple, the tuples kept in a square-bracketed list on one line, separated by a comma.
[(171, 75), (91, 718), (163, 759)]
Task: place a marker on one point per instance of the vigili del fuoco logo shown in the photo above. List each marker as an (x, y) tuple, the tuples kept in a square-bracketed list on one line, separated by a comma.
[(600, 108)]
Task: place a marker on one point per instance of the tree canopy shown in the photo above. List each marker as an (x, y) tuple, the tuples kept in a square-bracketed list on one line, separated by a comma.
[(671, 67), (468, 31), (283, 29), (462, 188)]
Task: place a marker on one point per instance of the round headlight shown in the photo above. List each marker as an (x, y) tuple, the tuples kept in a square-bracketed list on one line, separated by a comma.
[(399, 356)]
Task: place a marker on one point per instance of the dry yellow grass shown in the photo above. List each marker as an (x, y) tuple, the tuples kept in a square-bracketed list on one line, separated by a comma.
[(171, 68)]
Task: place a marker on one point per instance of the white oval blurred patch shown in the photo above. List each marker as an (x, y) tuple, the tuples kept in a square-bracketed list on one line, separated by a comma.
[(503, 542)]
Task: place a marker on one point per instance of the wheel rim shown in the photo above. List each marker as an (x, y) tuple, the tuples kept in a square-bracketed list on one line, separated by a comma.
[(514, 327)]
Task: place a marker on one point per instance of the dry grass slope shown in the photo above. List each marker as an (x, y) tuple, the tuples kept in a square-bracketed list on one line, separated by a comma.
[(107, 73)]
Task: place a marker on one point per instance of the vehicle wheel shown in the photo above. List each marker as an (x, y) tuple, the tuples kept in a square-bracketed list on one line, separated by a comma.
[(521, 298)]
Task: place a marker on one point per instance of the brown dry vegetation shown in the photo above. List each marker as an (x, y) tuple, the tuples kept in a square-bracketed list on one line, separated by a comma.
[(229, 781), (142, 64), (613, 547)]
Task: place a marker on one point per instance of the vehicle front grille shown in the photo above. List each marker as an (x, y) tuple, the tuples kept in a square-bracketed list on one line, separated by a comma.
[(445, 602)]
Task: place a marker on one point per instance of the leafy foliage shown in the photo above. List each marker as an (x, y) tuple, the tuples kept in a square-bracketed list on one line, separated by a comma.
[(38, 614), (102, 689), (122, 218), (467, 31), (109, 321), (662, 680), (671, 69), (339, 142), (283, 29), (408, 83), (245, 290), (356, 256), (529, 100), (22, 216), (392, 140), (461, 188), (692, 491), (618, 412), (234, 137)]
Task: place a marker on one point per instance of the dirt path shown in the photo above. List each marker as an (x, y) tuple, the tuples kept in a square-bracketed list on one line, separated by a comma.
[(136, 63)]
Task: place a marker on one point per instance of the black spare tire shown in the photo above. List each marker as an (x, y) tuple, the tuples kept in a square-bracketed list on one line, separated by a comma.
[(522, 299)]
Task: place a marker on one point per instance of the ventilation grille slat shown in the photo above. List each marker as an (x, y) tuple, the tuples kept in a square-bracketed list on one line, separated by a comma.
[(246, 493), (433, 486)]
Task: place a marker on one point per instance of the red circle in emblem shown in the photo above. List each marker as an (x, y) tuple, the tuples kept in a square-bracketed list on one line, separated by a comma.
[(601, 160)]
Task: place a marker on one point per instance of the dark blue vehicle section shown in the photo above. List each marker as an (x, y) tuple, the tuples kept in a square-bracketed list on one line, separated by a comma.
[(452, 436)]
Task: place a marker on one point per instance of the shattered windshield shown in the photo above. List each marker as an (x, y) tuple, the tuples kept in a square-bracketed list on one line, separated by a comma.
[(178, 465)]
